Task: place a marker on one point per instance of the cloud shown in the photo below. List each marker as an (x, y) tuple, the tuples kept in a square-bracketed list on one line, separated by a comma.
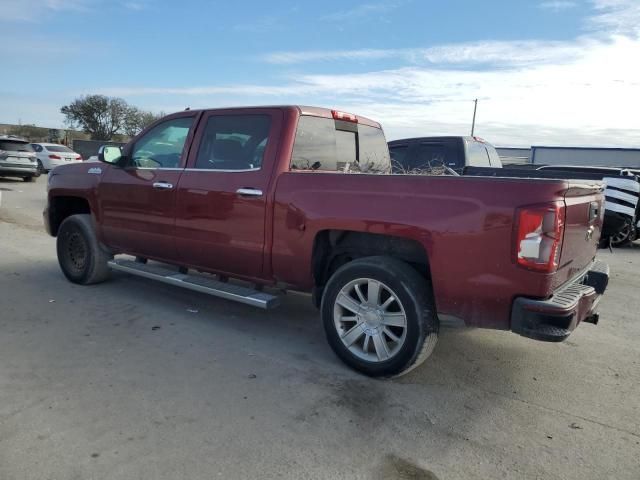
[(363, 11), (557, 5), (616, 17), (581, 91), (471, 53), (33, 10)]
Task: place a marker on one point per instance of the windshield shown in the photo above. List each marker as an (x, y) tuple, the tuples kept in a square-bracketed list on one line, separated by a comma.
[(15, 146)]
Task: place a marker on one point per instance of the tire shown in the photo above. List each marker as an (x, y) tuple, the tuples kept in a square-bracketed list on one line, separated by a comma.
[(623, 237), (41, 169), (28, 179), (380, 346), (81, 257)]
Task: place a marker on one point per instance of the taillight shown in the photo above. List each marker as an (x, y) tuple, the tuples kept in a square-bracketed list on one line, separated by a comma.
[(539, 232), (55, 157), (79, 158), (345, 117)]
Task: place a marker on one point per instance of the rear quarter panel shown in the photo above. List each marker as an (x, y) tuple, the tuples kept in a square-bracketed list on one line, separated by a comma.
[(465, 224)]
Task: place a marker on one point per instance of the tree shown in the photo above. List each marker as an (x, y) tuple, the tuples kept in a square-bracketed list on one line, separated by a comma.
[(104, 117), (98, 115), (138, 119)]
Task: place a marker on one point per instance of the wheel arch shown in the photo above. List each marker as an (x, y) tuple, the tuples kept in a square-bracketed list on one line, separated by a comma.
[(62, 207), (334, 248)]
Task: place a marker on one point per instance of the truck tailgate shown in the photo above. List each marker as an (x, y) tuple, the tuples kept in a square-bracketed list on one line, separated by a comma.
[(583, 225)]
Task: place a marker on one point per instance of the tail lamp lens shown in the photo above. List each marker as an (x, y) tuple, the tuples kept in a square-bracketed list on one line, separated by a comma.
[(540, 230)]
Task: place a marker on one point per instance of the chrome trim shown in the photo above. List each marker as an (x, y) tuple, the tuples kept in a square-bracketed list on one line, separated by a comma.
[(209, 286), (193, 169), (152, 168), (249, 192), (220, 170), (163, 185)]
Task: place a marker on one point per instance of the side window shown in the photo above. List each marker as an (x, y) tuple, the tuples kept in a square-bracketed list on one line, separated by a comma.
[(36, 147), (477, 155), (494, 158), (162, 146), (234, 142)]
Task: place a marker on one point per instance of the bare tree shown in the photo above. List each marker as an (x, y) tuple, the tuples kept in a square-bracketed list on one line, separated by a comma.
[(137, 120)]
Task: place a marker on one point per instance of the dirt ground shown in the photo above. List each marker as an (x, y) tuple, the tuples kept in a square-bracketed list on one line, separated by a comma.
[(135, 380)]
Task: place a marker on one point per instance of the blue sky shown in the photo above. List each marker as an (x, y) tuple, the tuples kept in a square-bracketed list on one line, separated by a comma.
[(546, 72)]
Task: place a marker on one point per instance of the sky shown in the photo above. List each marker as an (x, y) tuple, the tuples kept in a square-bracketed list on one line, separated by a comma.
[(545, 72)]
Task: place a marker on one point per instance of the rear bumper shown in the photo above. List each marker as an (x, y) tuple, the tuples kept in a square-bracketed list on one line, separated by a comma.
[(554, 319), (18, 169)]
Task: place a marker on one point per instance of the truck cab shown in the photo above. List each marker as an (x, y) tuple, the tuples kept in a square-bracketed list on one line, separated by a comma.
[(411, 155)]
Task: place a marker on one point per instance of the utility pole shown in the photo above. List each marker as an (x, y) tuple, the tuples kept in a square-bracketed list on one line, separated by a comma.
[(473, 124)]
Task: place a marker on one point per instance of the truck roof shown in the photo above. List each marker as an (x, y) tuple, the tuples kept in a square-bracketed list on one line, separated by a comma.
[(301, 110), (436, 139)]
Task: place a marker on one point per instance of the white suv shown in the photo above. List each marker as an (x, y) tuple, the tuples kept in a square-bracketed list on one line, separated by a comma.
[(51, 155)]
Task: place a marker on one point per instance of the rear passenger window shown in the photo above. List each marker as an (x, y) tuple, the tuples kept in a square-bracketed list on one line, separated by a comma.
[(234, 142), (329, 145)]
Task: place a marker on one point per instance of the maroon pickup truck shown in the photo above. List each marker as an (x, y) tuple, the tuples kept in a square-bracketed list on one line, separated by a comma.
[(244, 202)]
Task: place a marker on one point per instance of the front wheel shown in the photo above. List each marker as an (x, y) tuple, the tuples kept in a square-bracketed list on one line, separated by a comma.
[(81, 257), (378, 316)]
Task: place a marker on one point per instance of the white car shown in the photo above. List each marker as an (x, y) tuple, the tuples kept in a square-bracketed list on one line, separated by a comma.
[(51, 155)]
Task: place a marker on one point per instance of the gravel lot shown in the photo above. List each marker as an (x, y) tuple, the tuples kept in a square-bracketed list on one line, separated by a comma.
[(137, 380)]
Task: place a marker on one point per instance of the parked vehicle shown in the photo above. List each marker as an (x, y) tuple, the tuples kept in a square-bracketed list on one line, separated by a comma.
[(422, 155), (51, 155), (299, 198), (17, 158)]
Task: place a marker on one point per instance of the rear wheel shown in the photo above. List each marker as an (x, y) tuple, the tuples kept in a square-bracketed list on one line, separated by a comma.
[(28, 179), (378, 316), (81, 257), (623, 236), (41, 169)]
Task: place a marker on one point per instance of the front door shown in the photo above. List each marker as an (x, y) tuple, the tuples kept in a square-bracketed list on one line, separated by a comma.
[(223, 194), (138, 198)]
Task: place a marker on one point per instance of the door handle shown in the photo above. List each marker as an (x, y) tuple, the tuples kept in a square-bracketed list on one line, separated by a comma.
[(249, 192), (163, 185)]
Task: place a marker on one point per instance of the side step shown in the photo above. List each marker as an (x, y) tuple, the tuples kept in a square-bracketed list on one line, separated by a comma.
[(198, 283)]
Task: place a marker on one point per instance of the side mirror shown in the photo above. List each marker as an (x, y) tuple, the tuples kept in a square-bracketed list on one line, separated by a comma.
[(110, 154)]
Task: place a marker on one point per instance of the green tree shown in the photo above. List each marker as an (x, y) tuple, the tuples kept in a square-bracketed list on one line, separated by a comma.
[(98, 115)]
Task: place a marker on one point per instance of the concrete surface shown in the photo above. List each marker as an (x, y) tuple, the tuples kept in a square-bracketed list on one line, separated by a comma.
[(136, 380)]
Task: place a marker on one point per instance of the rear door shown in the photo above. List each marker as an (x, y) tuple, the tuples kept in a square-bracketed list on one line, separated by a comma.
[(138, 200), (223, 194)]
